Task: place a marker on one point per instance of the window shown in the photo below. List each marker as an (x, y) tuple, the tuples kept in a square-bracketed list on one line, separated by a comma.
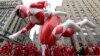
[(85, 34), (83, 29), (0, 28), (94, 33), (1, 40), (2, 24)]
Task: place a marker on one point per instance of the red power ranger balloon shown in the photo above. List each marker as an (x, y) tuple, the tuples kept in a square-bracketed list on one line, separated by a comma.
[(53, 28)]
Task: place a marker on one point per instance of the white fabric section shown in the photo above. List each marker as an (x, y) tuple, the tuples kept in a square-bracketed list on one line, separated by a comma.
[(54, 31), (43, 49), (36, 29), (15, 35), (71, 24), (33, 19), (47, 14), (59, 13), (58, 36), (87, 23), (34, 10)]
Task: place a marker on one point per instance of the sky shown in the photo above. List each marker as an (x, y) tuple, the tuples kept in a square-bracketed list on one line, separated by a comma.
[(53, 4)]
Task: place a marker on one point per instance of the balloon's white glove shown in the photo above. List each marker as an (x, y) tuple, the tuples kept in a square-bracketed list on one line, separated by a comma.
[(15, 35)]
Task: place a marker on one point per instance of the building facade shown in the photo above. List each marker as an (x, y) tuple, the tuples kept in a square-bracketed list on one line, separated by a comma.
[(9, 22)]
